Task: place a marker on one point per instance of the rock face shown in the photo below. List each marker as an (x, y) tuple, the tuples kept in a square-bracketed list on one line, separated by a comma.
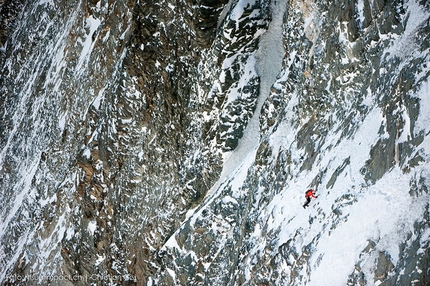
[(171, 142)]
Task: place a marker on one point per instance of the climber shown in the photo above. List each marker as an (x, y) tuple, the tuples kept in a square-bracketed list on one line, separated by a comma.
[(308, 195)]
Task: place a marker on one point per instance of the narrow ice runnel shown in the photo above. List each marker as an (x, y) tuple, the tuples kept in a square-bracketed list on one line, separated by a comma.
[(268, 65), (269, 58)]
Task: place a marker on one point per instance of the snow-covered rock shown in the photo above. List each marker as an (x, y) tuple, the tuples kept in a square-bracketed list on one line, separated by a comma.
[(171, 142)]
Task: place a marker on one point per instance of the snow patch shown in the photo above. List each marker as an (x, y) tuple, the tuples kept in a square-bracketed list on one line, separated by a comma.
[(92, 226), (423, 120), (99, 260), (88, 43)]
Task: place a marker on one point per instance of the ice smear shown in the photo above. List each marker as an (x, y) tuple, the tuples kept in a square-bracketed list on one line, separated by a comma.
[(268, 64), (224, 13), (423, 120), (88, 43), (405, 45), (238, 10)]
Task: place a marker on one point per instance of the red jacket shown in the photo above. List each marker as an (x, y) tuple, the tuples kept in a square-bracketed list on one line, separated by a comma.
[(310, 193)]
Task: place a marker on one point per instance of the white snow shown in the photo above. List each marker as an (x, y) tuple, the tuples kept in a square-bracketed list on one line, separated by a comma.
[(92, 226), (99, 99), (87, 43), (423, 120), (39, 99), (224, 13), (383, 212), (100, 259), (171, 243), (360, 10), (62, 121), (405, 46), (268, 64), (238, 10), (23, 189), (171, 273), (87, 153)]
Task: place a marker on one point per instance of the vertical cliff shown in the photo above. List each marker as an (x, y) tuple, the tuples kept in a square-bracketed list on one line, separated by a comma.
[(171, 142)]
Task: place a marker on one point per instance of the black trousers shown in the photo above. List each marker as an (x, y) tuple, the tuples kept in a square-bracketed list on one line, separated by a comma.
[(308, 200)]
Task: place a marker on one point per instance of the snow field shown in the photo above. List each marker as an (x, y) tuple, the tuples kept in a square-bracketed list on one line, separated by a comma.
[(351, 214), (383, 213)]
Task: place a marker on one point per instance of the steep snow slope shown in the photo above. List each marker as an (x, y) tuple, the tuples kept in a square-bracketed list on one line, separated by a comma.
[(325, 130)]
